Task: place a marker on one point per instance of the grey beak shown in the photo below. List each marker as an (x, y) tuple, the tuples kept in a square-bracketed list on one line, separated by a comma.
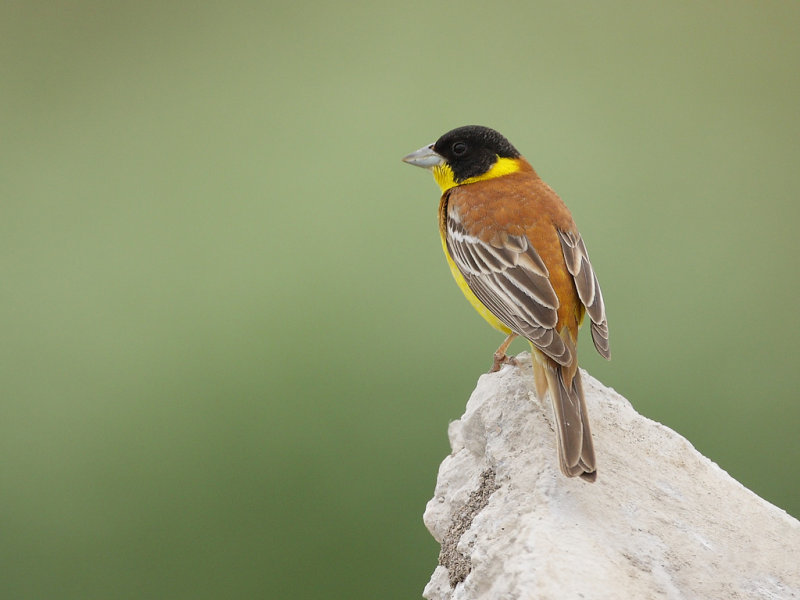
[(426, 157)]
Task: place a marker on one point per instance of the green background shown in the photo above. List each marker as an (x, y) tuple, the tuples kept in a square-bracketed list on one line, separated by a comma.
[(230, 343)]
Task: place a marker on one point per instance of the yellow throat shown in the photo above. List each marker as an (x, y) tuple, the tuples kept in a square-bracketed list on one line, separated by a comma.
[(443, 174)]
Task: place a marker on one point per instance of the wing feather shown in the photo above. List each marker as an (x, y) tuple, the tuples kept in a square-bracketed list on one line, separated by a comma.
[(579, 266), (513, 282)]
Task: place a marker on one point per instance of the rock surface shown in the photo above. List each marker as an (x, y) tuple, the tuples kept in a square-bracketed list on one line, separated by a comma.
[(662, 521)]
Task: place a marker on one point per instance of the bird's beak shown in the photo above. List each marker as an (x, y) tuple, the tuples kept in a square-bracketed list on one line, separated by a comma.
[(426, 157)]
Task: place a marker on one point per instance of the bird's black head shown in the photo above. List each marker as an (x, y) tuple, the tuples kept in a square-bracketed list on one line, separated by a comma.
[(472, 150)]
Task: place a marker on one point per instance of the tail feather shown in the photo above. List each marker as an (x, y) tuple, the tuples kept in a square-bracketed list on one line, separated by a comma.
[(587, 461), (575, 447)]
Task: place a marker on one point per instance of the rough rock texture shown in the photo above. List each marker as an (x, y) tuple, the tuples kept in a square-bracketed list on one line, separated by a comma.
[(662, 521)]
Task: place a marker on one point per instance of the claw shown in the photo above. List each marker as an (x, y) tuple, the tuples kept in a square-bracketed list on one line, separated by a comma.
[(500, 359)]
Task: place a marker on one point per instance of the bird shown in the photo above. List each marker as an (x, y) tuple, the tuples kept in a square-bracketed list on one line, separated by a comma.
[(516, 254)]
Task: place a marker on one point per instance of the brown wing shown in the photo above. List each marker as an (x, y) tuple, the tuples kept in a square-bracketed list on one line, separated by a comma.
[(578, 265), (513, 282)]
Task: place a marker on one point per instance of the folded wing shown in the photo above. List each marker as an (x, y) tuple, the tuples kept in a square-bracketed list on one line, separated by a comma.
[(513, 282), (578, 265)]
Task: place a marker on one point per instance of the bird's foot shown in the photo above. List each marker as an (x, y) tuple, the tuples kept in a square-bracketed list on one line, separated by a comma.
[(500, 359)]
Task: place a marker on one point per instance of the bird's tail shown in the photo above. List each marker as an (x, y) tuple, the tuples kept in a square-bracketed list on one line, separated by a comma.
[(575, 448)]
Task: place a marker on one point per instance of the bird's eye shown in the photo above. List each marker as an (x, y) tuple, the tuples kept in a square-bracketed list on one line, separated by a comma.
[(459, 148)]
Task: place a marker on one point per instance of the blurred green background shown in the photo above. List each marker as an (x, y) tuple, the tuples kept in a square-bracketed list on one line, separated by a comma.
[(231, 346)]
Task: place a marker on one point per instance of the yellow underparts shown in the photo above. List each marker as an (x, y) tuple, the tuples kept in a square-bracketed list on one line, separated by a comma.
[(444, 177), (473, 299), (443, 174)]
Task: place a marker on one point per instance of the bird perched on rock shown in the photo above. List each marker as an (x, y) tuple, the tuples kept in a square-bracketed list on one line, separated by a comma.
[(516, 253)]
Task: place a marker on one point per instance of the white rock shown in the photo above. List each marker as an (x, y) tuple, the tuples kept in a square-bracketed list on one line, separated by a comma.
[(661, 521)]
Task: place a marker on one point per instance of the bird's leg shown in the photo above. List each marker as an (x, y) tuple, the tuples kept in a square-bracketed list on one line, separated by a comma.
[(500, 357)]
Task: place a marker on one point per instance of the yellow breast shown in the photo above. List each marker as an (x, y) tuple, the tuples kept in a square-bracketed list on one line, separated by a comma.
[(473, 299), (444, 177)]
